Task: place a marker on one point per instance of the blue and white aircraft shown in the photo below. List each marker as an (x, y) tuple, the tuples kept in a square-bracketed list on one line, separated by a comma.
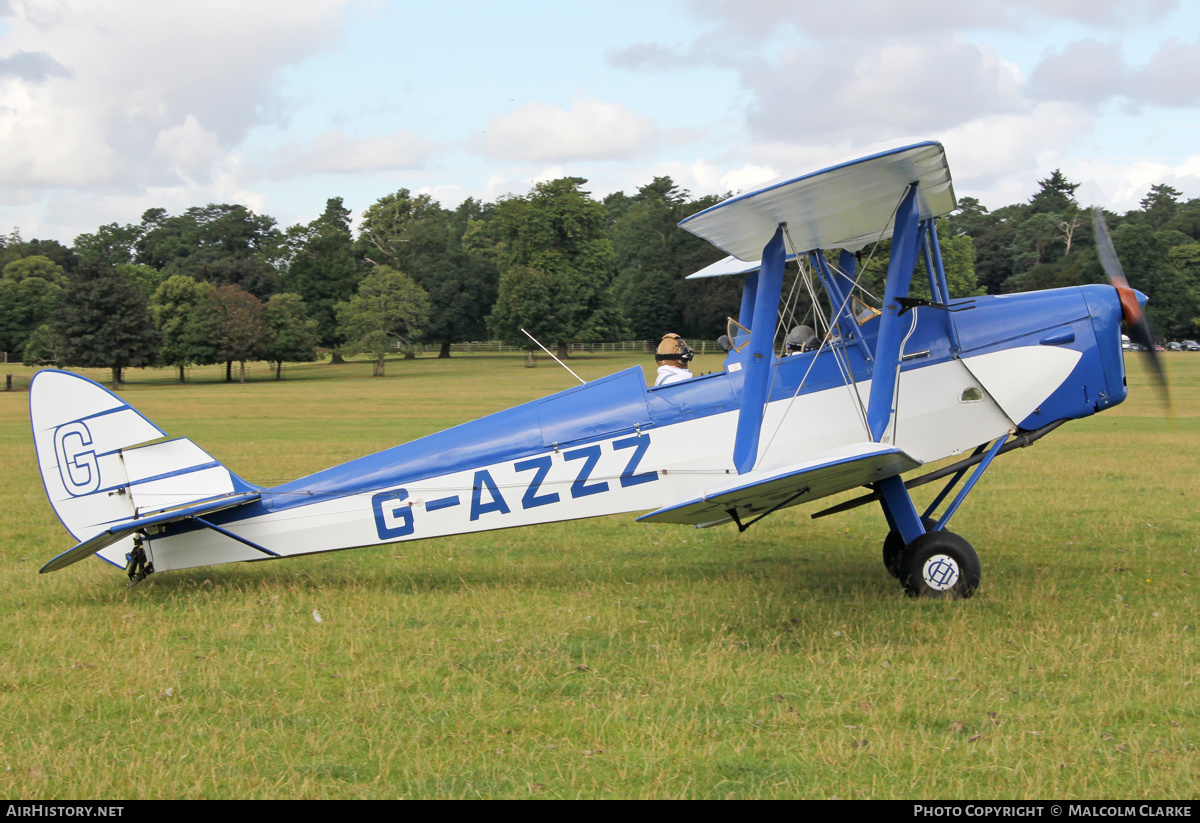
[(888, 389)]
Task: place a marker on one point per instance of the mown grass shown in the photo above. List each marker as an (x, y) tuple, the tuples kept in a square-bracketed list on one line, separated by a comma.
[(605, 658)]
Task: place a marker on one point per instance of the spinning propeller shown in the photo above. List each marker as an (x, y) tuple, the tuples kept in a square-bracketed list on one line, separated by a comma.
[(1131, 309)]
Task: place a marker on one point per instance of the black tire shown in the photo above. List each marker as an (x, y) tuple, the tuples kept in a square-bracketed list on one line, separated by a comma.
[(893, 545), (940, 565)]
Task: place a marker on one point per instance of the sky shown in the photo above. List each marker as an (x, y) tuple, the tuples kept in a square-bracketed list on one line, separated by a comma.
[(112, 107)]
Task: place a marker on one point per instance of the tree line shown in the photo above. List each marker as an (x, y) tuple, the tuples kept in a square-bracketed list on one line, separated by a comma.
[(221, 284)]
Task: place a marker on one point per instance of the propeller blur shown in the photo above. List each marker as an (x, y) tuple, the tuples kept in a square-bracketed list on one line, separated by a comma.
[(1131, 304)]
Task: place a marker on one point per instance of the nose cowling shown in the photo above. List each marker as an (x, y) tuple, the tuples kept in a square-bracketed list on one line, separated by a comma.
[(1107, 313)]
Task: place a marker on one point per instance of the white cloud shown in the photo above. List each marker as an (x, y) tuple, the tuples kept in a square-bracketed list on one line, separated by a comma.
[(823, 80), (136, 92), (108, 107), (1172, 78), (827, 93), (333, 152), (591, 130), (747, 177), (1085, 71), (187, 149), (498, 185), (1121, 184), (794, 157), (494, 188), (513, 183), (860, 18), (63, 214), (988, 149), (549, 173), (32, 67), (699, 177), (1090, 72), (50, 146)]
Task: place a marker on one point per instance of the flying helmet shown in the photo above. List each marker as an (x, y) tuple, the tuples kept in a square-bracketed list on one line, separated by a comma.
[(801, 338), (672, 347)]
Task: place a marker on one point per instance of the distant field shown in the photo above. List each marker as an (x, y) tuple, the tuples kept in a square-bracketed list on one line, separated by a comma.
[(605, 658)]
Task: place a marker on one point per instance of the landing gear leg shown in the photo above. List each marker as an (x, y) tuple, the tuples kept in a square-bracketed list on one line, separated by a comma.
[(893, 546)]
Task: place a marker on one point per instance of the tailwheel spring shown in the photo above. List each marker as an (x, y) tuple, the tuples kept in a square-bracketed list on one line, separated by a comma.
[(136, 565)]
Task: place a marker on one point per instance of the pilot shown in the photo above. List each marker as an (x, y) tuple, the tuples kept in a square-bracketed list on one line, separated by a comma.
[(672, 357), (801, 338)]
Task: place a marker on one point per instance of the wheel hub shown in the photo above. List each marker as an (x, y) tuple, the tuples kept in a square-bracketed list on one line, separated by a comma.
[(940, 572)]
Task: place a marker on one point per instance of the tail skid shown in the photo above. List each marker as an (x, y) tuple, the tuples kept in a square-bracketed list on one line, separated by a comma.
[(108, 472)]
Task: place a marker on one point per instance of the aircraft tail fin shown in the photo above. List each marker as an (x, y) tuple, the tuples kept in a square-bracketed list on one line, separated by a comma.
[(103, 463)]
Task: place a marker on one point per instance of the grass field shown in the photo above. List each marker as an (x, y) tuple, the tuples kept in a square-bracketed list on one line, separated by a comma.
[(605, 658)]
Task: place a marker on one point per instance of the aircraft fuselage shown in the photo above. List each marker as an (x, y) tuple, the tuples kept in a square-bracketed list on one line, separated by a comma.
[(1013, 362)]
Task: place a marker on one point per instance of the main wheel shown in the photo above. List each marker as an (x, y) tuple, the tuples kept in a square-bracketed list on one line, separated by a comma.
[(893, 545), (939, 564)]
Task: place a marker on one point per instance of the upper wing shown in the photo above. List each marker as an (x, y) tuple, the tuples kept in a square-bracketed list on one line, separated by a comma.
[(762, 491), (844, 205)]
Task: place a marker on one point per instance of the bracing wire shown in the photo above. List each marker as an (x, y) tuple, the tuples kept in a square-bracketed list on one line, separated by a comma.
[(789, 304), (843, 367)]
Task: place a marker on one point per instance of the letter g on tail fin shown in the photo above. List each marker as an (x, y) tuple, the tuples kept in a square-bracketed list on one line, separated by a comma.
[(79, 429)]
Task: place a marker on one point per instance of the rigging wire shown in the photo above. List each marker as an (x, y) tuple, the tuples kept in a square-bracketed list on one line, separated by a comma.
[(843, 367), (840, 358), (790, 305), (802, 274)]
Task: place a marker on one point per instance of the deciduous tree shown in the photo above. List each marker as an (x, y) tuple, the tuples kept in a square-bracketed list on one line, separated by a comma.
[(653, 258), (105, 320), (323, 268), (389, 310), (13, 248), (185, 312), (35, 266), (536, 301), (113, 243), (291, 334), (30, 295), (44, 347), (444, 253), (1145, 256), (240, 330), (220, 244), (557, 230)]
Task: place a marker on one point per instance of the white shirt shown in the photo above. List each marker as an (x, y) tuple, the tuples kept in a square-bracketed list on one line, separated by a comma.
[(671, 374)]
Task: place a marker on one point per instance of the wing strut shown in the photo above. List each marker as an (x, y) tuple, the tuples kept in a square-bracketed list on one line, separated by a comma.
[(761, 355), (887, 349)]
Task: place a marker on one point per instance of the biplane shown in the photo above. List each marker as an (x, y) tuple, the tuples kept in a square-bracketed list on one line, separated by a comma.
[(889, 388)]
